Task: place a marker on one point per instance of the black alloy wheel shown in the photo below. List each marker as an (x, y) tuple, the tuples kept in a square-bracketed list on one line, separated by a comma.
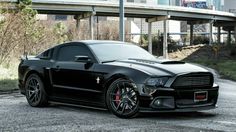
[(35, 93), (122, 99)]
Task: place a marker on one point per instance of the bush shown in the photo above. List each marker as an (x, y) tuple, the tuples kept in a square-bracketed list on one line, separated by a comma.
[(233, 52), (200, 40)]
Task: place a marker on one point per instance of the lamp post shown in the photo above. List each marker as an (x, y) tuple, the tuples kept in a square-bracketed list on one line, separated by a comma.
[(122, 24)]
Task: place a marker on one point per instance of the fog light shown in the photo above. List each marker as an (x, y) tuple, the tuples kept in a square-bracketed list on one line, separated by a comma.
[(163, 102), (157, 102)]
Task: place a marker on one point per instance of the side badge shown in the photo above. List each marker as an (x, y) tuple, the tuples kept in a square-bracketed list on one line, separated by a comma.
[(98, 80)]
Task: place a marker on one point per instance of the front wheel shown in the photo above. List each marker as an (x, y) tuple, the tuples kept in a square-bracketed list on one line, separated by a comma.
[(122, 99), (35, 93)]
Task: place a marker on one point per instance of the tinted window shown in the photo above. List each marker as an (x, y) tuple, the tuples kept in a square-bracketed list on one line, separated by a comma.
[(46, 54), (108, 52), (68, 53)]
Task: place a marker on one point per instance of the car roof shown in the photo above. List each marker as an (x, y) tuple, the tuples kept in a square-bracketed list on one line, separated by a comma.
[(100, 42), (88, 42)]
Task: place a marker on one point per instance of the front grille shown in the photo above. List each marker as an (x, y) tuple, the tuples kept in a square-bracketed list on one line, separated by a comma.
[(194, 80), (185, 98)]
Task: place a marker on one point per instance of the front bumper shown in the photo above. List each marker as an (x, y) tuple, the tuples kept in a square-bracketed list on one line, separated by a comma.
[(177, 100), (200, 108)]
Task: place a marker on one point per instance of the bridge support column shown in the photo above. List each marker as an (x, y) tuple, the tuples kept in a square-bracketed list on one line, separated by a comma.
[(149, 37), (77, 23), (235, 33), (191, 33), (210, 33), (229, 37), (91, 30), (97, 28), (165, 44), (218, 34)]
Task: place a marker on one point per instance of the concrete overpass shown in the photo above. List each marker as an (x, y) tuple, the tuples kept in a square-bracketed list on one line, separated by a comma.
[(89, 8)]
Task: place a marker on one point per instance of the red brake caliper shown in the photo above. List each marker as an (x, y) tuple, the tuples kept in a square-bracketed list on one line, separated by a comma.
[(117, 97)]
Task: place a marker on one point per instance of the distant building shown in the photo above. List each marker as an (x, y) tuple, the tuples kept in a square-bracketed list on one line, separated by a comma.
[(230, 6)]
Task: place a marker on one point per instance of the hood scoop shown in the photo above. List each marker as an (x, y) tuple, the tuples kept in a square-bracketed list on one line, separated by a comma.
[(172, 62)]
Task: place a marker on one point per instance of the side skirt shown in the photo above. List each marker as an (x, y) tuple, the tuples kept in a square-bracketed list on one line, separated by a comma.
[(75, 105)]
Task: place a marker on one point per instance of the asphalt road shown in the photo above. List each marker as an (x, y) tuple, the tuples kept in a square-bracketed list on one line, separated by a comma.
[(17, 115)]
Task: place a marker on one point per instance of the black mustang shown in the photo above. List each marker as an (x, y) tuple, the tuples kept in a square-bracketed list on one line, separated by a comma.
[(121, 77)]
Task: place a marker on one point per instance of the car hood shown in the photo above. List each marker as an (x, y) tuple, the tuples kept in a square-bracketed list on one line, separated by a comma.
[(160, 67)]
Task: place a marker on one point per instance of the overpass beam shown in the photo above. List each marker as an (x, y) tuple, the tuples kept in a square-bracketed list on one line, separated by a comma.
[(149, 37), (91, 27), (191, 33), (165, 44), (219, 34), (159, 18)]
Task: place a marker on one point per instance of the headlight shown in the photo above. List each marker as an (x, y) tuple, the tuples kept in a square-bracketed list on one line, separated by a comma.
[(152, 84), (156, 82)]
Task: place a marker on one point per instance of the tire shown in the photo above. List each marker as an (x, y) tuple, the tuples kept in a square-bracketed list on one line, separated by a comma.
[(35, 93), (122, 99)]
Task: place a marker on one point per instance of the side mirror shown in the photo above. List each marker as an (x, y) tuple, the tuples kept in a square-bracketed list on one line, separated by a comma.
[(83, 59)]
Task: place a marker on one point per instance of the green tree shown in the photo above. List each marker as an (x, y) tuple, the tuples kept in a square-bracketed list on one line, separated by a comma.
[(18, 28), (60, 32), (24, 3)]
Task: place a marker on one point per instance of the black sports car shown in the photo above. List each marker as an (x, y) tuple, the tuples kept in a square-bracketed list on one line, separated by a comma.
[(119, 76)]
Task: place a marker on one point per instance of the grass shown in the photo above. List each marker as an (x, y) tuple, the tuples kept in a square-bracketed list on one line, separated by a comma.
[(8, 85), (226, 68), (8, 77)]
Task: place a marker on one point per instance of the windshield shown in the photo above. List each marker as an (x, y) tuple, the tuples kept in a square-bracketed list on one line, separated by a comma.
[(111, 52)]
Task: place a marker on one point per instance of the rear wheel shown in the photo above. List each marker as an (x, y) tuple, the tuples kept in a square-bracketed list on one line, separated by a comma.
[(122, 99), (35, 93)]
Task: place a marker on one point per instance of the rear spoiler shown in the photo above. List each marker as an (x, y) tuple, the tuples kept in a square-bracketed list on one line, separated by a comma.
[(26, 57)]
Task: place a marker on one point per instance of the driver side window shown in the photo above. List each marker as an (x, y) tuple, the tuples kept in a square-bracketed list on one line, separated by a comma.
[(68, 52)]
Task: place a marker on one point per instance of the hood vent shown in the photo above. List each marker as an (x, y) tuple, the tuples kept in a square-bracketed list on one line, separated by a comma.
[(172, 62)]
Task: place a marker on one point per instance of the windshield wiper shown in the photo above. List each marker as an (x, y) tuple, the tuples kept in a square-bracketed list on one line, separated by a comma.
[(109, 61)]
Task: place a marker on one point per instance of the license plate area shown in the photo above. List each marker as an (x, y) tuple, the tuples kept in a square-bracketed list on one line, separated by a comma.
[(200, 96)]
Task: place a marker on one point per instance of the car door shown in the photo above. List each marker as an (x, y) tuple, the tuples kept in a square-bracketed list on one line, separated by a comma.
[(71, 80)]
